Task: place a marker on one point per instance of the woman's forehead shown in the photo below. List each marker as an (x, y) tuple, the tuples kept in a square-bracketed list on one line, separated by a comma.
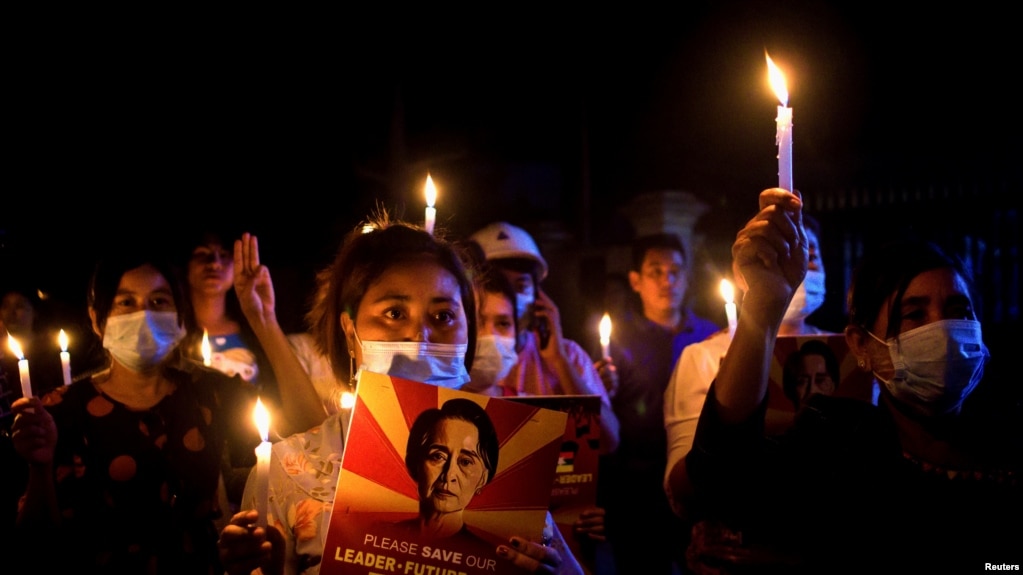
[(416, 279)]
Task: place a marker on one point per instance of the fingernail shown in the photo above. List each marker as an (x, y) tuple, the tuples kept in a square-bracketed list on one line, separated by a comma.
[(516, 543), (503, 551)]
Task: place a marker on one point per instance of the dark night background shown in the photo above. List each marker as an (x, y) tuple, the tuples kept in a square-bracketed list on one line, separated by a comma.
[(295, 125)]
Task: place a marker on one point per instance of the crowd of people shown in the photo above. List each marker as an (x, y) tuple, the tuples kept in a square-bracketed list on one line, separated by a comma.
[(143, 463)]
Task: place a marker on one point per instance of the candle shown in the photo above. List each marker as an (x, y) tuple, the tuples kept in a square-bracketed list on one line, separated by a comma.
[(65, 357), (783, 131), (207, 351), (728, 294), (431, 198), (26, 382), (262, 418), (605, 336)]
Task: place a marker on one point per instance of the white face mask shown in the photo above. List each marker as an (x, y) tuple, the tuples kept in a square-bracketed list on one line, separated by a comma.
[(141, 340), (440, 364), (495, 356), (809, 297), (936, 365)]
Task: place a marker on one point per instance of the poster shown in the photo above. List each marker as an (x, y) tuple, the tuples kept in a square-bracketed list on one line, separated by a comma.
[(575, 481), (474, 469), (814, 363)]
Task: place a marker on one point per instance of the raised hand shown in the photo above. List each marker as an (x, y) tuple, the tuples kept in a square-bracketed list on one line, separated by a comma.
[(252, 283), (772, 253)]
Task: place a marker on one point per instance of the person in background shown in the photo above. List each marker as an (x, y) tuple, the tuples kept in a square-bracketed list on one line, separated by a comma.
[(496, 349), (394, 283), (20, 309), (698, 365), (642, 354), (919, 481), (548, 363), (232, 298)]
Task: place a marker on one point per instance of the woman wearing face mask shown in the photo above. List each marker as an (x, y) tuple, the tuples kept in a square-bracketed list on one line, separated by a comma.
[(124, 466), (915, 481), (496, 351), (396, 300)]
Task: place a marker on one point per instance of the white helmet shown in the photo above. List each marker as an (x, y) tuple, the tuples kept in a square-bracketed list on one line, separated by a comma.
[(501, 240)]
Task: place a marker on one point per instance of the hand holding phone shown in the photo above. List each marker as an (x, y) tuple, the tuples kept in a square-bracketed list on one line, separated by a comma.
[(540, 323)]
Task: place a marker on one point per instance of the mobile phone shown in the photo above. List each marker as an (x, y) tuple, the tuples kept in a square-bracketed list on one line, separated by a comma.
[(539, 325)]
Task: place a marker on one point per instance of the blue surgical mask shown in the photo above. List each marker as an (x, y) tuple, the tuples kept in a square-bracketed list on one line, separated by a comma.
[(809, 296), (143, 339), (936, 365), (440, 364)]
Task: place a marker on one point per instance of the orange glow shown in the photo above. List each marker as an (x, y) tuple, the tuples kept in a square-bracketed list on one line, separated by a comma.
[(727, 291), (777, 80), (431, 191), (605, 330), (15, 347), (262, 418)]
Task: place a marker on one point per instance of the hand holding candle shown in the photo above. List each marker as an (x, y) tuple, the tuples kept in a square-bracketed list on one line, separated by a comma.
[(65, 357), (783, 133), (605, 336), (26, 383), (262, 418), (728, 294), (431, 198)]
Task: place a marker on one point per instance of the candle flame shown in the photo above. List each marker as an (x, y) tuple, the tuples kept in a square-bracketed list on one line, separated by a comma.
[(62, 340), (15, 347), (777, 80), (262, 418), (431, 191), (347, 400), (605, 329), (727, 291), (207, 350)]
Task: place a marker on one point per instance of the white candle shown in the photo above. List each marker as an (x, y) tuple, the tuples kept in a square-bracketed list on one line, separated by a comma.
[(728, 294), (65, 357), (207, 350), (262, 418), (783, 131), (605, 336), (26, 382), (431, 198)]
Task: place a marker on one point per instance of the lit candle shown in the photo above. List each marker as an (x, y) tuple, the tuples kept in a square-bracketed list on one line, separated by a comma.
[(207, 351), (728, 294), (431, 198), (65, 357), (26, 383), (783, 133), (262, 418), (605, 336)]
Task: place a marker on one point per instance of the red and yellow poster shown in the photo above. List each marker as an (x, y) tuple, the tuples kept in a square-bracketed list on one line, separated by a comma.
[(803, 365), (575, 483), (433, 480)]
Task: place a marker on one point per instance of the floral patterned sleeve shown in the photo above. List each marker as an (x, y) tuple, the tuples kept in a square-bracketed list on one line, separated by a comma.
[(303, 477)]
